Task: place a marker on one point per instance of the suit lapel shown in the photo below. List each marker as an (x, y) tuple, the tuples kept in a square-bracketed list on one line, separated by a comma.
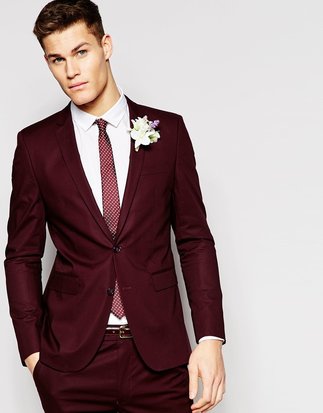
[(135, 165), (66, 139), (67, 142)]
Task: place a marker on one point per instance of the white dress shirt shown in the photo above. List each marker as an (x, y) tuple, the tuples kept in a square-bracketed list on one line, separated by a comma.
[(86, 133)]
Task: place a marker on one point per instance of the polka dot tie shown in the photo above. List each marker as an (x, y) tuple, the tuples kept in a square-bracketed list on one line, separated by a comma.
[(110, 198)]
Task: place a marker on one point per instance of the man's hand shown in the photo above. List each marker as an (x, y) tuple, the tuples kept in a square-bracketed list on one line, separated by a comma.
[(31, 361), (206, 362)]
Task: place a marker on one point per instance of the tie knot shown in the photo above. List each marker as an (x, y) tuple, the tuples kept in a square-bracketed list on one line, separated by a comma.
[(102, 124)]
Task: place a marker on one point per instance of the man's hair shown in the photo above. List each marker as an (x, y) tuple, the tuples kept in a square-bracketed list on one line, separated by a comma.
[(58, 15)]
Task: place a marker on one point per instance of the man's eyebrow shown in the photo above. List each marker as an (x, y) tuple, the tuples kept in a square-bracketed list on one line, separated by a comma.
[(51, 55), (80, 45)]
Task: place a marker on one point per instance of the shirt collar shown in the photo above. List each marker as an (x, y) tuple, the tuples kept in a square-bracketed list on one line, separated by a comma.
[(113, 116)]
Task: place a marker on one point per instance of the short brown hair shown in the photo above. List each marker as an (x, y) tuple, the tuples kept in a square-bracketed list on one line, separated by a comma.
[(58, 15)]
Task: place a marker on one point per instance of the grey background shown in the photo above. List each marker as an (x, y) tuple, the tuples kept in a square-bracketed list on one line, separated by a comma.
[(247, 77)]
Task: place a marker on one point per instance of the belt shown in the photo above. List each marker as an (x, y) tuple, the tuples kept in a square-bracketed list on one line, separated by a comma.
[(123, 331)]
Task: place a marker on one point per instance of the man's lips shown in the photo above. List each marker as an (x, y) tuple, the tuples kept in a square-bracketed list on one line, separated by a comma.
[(78, 85)]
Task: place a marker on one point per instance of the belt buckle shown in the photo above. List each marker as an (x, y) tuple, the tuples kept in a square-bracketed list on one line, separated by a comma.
[(124, 332)]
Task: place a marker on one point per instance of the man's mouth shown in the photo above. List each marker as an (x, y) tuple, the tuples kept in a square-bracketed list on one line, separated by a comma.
[(77, 86)]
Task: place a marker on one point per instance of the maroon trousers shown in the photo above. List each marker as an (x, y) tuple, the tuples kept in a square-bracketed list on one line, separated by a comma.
[(116, 381)]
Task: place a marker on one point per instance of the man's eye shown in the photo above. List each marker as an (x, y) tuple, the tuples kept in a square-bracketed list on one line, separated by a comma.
[(58, 60), (82, 52)]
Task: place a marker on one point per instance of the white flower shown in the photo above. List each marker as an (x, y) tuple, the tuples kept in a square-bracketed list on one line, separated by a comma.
[(144, 131)]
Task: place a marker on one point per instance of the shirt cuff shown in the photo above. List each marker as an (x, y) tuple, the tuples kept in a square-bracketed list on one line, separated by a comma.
[(210, 338)]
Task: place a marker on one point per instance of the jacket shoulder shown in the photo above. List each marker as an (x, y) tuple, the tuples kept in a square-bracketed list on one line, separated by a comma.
[(44, 126), (155, 113)]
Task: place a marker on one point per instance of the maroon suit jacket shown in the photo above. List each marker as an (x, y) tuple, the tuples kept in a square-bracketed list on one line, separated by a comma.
[(66, 323)]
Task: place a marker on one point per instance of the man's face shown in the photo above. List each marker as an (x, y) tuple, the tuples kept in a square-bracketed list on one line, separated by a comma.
[(79, 64)]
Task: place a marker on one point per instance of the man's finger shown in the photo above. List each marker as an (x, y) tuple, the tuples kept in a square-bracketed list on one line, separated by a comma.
[(220, 392), (205, 401), (193, 381)]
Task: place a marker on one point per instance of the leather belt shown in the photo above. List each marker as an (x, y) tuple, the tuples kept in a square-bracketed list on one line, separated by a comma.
[(123, 331)]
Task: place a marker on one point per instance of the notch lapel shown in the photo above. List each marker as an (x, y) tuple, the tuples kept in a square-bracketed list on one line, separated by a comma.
[(135, 166), (67, 142)]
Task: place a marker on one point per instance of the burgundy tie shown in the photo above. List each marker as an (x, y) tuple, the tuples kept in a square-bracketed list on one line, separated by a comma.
[(110, 198)]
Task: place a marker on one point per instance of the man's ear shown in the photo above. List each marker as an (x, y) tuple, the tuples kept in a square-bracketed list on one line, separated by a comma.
[(106, 44), (46, 58)]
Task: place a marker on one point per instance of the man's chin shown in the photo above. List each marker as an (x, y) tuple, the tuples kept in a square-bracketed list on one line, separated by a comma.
[(79, 101)]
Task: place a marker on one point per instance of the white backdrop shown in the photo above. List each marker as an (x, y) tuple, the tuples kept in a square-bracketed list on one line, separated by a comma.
[(247, 77)]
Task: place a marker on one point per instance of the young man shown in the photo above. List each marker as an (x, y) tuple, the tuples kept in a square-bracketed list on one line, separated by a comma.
[(108, 332)]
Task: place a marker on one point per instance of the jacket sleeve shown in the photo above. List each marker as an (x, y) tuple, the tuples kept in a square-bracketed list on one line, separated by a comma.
[(195, 243), (26, 242)]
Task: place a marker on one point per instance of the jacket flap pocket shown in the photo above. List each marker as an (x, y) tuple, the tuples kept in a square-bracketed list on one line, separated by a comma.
[(164, 279), (64, 283)]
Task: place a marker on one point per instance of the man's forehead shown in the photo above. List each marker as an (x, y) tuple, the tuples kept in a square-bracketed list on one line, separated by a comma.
[(69, 39)]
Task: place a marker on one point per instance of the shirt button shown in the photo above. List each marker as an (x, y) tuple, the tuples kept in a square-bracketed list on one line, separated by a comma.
[(116, 248), (110, 291)]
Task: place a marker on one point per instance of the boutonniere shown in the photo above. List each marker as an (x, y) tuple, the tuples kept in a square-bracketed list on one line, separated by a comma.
[(144, 131)]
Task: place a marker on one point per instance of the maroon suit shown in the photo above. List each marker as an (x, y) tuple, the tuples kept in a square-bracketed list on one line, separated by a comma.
[(67, 323)]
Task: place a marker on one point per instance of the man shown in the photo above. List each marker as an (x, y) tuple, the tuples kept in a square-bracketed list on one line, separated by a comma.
[(108, 332)]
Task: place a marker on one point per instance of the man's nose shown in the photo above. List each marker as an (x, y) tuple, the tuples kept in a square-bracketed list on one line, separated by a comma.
[(72, 69)]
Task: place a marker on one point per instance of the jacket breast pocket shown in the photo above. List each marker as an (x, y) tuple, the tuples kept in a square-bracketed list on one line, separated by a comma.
[(164, 279), (69, 284)]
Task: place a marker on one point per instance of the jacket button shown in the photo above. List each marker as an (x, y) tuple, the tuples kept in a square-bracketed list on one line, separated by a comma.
[(110, 291), (116, 248)]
